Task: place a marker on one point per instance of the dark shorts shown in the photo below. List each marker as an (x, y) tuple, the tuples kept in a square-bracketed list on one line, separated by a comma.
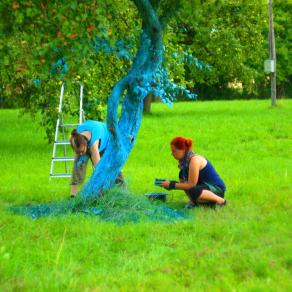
[(195, 192)]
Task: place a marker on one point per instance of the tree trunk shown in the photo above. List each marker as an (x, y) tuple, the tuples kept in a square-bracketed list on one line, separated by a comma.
[(147, 103), (136, 82)]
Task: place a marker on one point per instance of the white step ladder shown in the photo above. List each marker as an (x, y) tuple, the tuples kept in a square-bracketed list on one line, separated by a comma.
[(64, 142)]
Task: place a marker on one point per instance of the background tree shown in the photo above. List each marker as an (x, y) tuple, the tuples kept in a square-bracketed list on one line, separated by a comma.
[(228, 37), (39, 38), (282, 25), (218, 49)]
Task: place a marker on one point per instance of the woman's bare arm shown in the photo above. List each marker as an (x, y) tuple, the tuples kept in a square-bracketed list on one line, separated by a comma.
[(95, 156), (194, 168)]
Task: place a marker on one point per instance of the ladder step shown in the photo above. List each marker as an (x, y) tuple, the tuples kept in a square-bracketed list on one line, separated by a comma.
[(63, 159), (56, 175), (62, 142), (69, 125)]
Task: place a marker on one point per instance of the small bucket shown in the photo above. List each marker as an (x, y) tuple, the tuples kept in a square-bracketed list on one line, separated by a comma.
[(156, 196)]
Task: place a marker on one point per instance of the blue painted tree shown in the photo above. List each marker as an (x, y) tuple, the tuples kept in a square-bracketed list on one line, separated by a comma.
[(145, 76), (75, 45)]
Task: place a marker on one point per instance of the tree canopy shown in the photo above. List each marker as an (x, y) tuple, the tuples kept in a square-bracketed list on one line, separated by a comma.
[(208, 43), (39, 37)]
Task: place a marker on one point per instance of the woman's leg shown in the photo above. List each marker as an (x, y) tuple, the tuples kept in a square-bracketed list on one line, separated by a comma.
[(78, 173), (208, 196), (202, 194)]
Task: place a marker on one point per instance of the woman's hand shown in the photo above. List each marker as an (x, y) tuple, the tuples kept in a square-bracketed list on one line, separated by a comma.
[(165, 184)]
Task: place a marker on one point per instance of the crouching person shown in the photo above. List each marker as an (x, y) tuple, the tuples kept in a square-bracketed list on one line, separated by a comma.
[(198, 177), (88, 141)]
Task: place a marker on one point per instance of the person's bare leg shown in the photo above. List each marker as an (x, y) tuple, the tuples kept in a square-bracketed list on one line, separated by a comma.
[(74, 190), (208, 196), (78, 175)]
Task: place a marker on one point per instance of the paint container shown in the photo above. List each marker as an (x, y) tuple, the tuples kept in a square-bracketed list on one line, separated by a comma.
[(156, 196)]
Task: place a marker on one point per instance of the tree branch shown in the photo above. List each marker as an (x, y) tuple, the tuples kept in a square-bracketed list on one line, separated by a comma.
[(148, 15), (148, 56), (113, 103)]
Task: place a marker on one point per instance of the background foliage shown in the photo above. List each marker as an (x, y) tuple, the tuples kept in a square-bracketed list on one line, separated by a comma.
[(40, 38), (214, 48)]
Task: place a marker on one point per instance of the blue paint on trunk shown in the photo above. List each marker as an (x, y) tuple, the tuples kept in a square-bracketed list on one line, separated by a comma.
[(136, 84)]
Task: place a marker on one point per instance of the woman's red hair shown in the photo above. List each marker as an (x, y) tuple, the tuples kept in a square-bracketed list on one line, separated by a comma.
[(182, 143)]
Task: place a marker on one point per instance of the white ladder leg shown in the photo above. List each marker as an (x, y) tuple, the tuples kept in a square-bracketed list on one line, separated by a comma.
[(81, 113), (57, 128)]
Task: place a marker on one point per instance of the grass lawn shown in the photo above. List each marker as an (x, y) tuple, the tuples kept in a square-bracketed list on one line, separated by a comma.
[(244, 246)]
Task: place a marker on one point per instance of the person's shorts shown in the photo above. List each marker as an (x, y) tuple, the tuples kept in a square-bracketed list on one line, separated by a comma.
[(195, 192)]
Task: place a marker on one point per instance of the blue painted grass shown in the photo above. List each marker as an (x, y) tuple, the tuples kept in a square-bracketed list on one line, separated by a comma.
[(118, 206)]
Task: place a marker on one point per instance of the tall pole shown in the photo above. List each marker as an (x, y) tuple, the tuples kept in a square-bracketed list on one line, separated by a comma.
[(272, 49)]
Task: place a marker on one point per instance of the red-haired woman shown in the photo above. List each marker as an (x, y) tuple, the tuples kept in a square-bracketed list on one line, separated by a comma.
[(198, 177)]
